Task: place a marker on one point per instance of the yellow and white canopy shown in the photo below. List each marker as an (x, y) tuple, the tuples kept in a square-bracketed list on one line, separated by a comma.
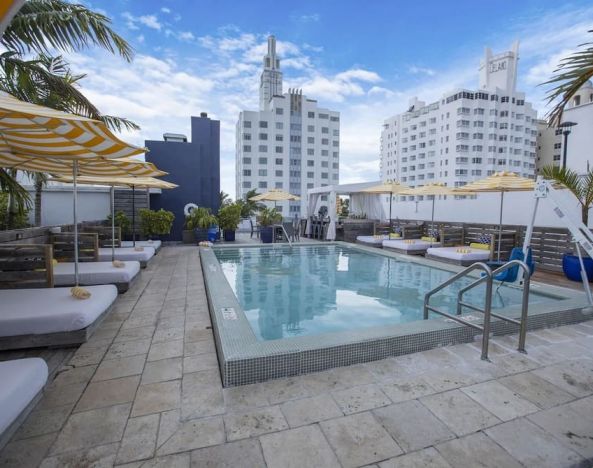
[(138, 182), (275, 195), (389, 187), (436, 188), (500, 182)]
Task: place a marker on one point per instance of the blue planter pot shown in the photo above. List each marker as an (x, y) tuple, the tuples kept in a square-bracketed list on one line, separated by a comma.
[(572, 267), (266, 234), (213, 234), (200, 235), (229, 235)]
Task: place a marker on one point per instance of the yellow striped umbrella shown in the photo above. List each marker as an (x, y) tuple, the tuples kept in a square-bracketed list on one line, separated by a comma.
[(391, 187), (500, 182), (41, 139), (133, 182), (275, 195), (434, 189)]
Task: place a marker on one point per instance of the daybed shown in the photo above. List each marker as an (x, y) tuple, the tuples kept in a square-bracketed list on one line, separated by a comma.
[(156, 244), (22, 383), (411, 246), (142, 255), (459, 255), (94, 273), (374, 241)]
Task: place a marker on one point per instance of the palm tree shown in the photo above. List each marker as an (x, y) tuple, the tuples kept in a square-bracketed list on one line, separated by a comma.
[(225, 199), (40, 27), (572, 73), (580, 186), (249, 207)]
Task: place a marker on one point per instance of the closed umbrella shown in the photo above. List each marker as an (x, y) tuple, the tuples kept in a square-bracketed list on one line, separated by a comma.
[(432, 189), (391, 187), (40, 139), (500, 182), (141, 182)]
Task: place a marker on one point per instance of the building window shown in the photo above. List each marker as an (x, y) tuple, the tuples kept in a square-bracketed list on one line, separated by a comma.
[(279, 149), (310, 175), (247, 172), (334, 119), (324, 153), (310, 152), (311, 140), (310, 163), (310, 128), (246, 124), (279, 138), (324, 164), (279, 111), (324, 116), (279, 173), (263, 148), (247, 136), (324, 129), (247, 148), (246, 184), (262, 184), (279, 125), (263, 124), (279, 161), (311, 115), (246, 160), (262, 172), (278, 185), (324, 175)]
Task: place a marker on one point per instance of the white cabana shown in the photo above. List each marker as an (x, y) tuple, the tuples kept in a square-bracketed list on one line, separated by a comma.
[(369, 204)]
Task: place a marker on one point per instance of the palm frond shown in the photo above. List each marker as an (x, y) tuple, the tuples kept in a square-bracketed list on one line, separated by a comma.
[(9, 184), (572, 73), (118, 123), (565, 176), (44, 24)]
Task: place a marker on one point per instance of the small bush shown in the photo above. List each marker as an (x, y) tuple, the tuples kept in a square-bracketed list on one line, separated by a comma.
[(156, 223)]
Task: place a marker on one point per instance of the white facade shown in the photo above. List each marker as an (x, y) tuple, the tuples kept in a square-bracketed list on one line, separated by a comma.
[(467, 134), (290, 143), (550, 143)]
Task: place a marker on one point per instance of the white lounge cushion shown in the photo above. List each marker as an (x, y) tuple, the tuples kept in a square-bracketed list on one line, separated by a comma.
[(156, 244), (451, 253), (417, 246), (22, 380), (371, 239), (51, 310), (90, 273), (126, 254)]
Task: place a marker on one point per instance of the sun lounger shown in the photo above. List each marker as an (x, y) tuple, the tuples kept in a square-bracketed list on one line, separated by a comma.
[(22, 383), (127, 254), (374, 241), (51, 316), (94, 273), (156, 244), (460, 255), (410, 246)]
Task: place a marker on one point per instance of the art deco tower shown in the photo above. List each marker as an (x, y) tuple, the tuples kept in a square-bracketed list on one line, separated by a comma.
[(271, 76)]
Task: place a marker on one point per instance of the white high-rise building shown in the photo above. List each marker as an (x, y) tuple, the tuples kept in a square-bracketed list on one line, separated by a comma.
[(467, 134), (550, 142), (289, 143)]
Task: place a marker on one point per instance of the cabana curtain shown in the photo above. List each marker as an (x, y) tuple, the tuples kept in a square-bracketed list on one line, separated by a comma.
[(368, 204)]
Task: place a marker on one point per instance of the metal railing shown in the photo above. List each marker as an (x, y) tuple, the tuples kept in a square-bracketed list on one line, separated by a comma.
[(286, 235), (488, 278), (485, 329)]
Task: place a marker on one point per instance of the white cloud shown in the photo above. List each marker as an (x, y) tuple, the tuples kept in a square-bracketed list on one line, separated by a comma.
[(150, 21), (186, 36), (415, 70), (310, 18), (165, 10)]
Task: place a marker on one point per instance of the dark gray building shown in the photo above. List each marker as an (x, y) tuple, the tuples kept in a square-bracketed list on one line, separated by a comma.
[(193, 165)]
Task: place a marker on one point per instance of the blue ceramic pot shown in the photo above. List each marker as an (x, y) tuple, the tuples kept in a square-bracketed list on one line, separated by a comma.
[(572, 267)]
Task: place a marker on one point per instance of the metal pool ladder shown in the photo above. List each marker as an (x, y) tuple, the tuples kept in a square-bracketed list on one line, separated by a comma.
[(488, 278)]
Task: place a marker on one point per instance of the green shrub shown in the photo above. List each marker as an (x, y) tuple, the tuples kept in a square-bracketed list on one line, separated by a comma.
[(269, 216), (200, 218), (156, 223), (229, 216), (122, 221)]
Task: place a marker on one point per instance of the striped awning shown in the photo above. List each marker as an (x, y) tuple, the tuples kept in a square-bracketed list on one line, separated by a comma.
[(275, 195), (388, 187), (434, 188), (138, 182), (500, 182), (32, 130)]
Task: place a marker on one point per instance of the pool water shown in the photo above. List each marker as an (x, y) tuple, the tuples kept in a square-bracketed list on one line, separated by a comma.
[(310, 290)]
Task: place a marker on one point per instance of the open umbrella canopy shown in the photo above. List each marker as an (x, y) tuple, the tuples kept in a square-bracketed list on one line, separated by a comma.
[(500, 182), (434, 188), (390, 187), (139, 182), (275, 195)]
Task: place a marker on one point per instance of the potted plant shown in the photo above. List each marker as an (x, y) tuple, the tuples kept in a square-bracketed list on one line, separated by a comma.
[(582, 188), (268, 217), (121, 221), (200, 220), (156, 223), (229, 217)]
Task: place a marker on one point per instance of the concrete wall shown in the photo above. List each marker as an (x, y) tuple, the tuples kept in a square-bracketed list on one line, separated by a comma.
[(56, 204), (194, 166)]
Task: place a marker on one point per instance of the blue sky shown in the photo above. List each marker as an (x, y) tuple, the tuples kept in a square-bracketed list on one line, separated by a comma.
[(365, 59)]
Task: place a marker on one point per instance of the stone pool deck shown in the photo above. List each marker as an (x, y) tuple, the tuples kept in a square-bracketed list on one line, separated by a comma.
[(145, 391)]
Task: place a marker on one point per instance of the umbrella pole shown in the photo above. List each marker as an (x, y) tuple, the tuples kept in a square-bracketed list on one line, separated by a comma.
[(74, 215), (134, 215), (432, 217), (500, 223), (112, 223), (390, 199)]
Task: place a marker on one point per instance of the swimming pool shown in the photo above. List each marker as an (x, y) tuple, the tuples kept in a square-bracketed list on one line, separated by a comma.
[(279, 311), (310, 290)]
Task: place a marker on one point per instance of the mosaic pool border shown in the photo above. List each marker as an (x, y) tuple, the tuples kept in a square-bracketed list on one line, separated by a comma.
[(243, 359)]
